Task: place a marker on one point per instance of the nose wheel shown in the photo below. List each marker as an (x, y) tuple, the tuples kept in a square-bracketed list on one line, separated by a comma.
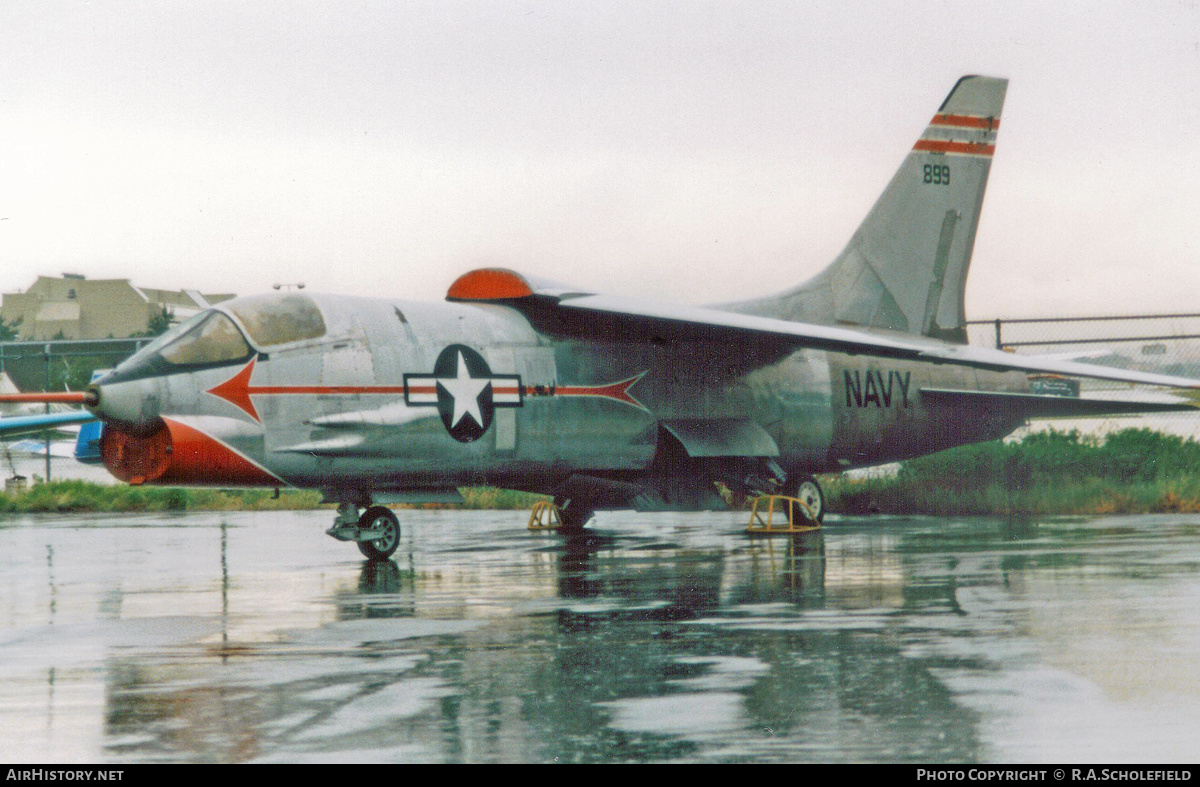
[(384, 529), (377, 531)]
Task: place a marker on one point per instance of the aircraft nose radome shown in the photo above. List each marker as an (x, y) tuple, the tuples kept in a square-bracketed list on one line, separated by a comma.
[(132, 402)]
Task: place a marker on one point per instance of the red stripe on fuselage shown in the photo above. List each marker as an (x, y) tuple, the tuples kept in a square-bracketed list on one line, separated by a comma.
[(310, 390)]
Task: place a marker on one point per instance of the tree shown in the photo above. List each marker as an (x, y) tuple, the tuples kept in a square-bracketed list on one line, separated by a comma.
[(8, 330), (159, 323)]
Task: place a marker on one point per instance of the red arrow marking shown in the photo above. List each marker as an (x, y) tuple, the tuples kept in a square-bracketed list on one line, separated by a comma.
[(618, 391), (237, 390)]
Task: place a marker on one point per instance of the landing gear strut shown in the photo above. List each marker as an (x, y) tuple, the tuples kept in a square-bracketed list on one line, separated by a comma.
[(377, 531), (573, 514)]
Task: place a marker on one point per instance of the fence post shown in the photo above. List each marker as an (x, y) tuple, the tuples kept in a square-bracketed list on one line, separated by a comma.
[(999, 344), (46, 352)]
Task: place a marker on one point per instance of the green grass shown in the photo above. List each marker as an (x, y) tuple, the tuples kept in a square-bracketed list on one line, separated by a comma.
[(1132, 471), (81, 496), (487, 497), (87, 496)]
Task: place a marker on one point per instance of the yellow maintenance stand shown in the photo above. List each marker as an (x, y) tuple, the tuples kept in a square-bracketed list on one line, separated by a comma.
[(771, 514), (545, 516)]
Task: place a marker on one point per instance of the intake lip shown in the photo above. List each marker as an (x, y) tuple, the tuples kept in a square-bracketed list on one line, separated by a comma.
[(171, 453)]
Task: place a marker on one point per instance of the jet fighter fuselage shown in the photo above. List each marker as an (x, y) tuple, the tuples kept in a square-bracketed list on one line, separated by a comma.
[(383, 395)]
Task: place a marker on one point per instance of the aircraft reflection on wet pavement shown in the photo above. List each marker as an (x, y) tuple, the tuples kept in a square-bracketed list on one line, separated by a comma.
[(914, 640), (608, 653)]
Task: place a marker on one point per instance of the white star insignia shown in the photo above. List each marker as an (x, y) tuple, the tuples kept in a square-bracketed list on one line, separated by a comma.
[(465, 391)]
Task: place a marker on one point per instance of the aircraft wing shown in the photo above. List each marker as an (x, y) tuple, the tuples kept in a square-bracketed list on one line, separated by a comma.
[(554, 307), (1048, 406), (25, 424)]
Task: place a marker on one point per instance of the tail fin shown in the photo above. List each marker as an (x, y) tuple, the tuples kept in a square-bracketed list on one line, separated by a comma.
[(905, 268)]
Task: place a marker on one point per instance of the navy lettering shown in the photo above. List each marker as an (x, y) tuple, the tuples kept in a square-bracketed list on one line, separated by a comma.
[(887, 392), (904, 381), (876, 389), (853, 386), (870, 393)]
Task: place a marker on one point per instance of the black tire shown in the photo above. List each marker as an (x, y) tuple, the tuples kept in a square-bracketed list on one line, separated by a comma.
[(808, 490), (384, 547)]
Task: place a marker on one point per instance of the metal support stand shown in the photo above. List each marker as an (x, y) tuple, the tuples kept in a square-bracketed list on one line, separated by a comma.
[(785, 520), (545, 516)]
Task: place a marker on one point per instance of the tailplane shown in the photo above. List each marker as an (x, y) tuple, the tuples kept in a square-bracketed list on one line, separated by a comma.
[(905, 268)]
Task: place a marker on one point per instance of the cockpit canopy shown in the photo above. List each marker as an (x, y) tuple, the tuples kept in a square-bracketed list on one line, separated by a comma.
[(215, 340), (211, 337), (272, 320)]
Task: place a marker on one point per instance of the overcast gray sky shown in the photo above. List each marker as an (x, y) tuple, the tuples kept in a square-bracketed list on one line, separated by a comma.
[(690, 150)]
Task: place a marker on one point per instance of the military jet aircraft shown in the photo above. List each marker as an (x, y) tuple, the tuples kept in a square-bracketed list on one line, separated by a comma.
[(603, 401)]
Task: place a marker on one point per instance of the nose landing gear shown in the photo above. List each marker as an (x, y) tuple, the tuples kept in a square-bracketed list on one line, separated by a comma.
[(377, 531)]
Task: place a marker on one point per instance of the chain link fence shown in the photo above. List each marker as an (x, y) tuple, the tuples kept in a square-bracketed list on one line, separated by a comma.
[(58, 365), (1158, 343)]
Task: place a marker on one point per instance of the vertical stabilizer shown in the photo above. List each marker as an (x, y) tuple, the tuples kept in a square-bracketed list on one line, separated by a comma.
[(905, 268)]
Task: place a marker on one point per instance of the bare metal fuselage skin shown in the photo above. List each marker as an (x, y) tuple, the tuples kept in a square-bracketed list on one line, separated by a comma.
[(344, 412)]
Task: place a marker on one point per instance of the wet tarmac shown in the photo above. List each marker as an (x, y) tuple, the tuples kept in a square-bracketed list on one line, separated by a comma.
[(253, 637)]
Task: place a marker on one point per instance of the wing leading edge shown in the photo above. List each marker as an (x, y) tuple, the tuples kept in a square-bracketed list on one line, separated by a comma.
[(1047, 406), (559, 309)]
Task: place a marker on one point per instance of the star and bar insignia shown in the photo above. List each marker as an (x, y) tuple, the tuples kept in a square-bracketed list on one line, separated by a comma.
[(464, 390)]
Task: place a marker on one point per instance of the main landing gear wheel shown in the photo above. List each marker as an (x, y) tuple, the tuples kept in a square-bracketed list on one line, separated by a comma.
[(809, 492), (381, 519)]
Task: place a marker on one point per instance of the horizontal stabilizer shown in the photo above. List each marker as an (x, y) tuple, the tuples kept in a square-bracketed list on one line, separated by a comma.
[(1049, 406), (87, 444)]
